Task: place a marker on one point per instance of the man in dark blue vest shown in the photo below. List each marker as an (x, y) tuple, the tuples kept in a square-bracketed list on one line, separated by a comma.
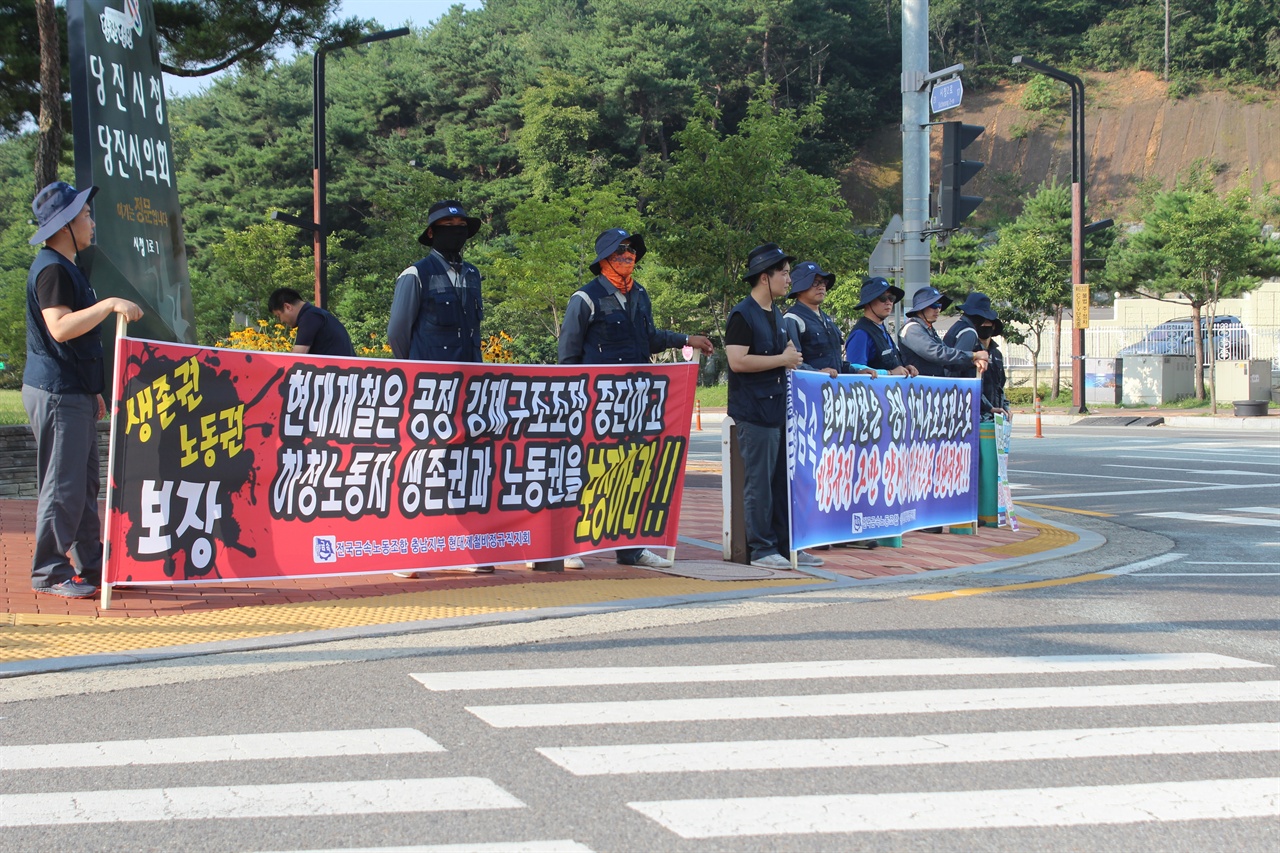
[(319, 332), (609, 320), (818, 334), (62, 387), (437, 308), (977, 329), (760, 353), (870, 342)]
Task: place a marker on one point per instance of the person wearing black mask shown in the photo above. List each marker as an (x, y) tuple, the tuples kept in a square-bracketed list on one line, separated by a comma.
[(437, 308), (975, 331)]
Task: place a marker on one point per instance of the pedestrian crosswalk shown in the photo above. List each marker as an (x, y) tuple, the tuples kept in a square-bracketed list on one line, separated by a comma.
[(1157, 683), (712, 752)]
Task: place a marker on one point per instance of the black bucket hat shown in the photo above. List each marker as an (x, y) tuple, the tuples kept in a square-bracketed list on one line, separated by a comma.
[(609, 241), (443, 210), (926, 296), (804, 274), (979, 305), (55, 206), (762, 257), (875, 287)]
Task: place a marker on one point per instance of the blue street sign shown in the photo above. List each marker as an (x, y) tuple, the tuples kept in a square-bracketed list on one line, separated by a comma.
[(946, 95)]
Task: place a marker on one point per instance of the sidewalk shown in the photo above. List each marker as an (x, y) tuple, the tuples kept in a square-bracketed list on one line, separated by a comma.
[(42, 633)]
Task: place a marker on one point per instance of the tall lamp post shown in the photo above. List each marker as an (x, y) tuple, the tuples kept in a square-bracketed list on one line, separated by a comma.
[(318, 227), (1079, 290)]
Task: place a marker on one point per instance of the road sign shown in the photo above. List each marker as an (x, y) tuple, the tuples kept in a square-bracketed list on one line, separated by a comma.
[(946, 95), (1080, 306)]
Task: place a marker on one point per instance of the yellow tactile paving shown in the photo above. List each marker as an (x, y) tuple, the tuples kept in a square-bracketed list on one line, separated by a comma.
[(1050, 538), (35, 637)]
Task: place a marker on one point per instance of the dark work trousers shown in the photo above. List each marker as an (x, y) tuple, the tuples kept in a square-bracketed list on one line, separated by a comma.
[(628, 556), (764, 499), (65, 428)]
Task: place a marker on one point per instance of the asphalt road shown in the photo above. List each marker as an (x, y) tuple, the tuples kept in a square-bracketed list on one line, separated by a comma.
[(1132, 710)]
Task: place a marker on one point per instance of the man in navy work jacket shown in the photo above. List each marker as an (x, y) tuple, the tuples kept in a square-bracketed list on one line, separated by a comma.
[(62, 385), (817, 333), (609, 320), (319, 332), (437, 309), (922, 347), (870, 343), (760, 353)]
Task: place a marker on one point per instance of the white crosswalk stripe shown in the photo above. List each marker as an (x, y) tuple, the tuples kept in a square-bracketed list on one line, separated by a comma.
[(1213, 799), (923, 749), (1044, 665), (889, 702), (254, 801), (194, 750)]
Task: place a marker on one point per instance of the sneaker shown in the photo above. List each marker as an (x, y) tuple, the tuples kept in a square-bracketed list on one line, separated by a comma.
[(408, 575), (771, 561), (573, 563), (650, 560), (76, 587), (804, 558)]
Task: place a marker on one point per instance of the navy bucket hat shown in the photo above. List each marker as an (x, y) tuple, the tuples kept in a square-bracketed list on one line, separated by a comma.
[(55, 206), (875, 287), (979, 305), (443, 210), (803, 276), (609, 241), (763, 257), (926, 296)]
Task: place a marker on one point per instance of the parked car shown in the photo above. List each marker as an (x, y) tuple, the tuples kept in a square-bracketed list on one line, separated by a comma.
[(1176, 337)]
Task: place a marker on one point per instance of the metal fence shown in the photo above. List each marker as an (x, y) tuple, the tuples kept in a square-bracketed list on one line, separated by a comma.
[(1235, 342)]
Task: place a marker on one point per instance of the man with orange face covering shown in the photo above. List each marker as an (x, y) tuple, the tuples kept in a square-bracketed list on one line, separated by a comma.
[(609, 320)]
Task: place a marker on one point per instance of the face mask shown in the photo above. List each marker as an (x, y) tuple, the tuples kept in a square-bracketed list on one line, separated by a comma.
[(985, 329), (448, 238)]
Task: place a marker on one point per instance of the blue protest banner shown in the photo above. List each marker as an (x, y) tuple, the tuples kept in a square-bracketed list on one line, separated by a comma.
[(879, 457)]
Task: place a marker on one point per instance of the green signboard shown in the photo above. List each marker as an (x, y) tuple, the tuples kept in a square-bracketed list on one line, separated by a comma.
[(122, 145)]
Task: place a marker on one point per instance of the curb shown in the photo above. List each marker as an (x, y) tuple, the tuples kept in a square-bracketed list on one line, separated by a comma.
[(1087, 540)]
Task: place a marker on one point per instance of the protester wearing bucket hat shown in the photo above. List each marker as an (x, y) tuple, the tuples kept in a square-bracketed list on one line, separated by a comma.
[(609, 320), (62, 384), (869, 342), (821, 343), (437, 308), (760, 352), (976, 330), (922, 347)]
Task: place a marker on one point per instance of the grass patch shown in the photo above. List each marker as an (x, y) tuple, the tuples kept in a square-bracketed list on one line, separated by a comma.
[(11, 411), (714, 396)]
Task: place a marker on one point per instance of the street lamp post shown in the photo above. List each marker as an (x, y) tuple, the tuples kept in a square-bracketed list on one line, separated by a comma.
[(1080, 290), (318, 227), (318, 160)]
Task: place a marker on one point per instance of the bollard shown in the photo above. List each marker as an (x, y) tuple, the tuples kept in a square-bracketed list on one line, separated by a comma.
[(697, 415), (1039, 434)]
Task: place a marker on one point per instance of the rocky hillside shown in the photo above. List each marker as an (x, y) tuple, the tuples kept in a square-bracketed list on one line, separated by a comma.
[(1133, 130)]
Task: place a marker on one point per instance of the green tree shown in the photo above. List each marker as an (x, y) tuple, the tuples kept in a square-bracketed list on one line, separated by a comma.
[(247, 266), (1197, 247), (722, 194), (1024, 275)]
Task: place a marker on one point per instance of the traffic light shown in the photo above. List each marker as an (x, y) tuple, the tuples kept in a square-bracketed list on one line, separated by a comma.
[(952, 206)]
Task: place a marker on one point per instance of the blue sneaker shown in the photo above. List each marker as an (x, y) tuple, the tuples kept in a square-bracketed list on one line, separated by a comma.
[(76, 587)]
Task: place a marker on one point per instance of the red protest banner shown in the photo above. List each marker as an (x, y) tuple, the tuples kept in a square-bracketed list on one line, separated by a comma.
[(230, 465)]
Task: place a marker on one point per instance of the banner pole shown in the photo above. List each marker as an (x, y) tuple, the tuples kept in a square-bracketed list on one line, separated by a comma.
[(122, 329)]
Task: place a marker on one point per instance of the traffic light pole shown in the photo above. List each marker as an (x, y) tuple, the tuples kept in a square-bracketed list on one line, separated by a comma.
[(915, 145)]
